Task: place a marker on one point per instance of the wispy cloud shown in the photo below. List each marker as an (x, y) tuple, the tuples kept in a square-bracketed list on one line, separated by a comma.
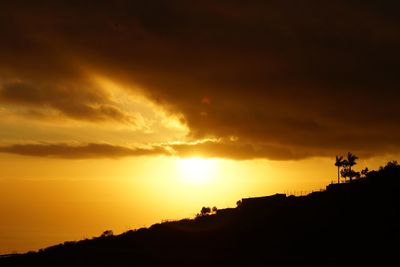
[(85, 151)]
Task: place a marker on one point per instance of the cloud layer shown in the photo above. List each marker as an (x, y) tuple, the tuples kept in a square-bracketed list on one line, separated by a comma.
[(270, 79), (72, 101), (68, 151)]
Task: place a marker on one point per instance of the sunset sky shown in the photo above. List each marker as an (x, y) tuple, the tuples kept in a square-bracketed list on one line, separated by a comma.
[(120, 114)]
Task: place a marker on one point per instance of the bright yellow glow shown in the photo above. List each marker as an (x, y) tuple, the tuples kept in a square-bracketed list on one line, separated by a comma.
[(197, 171), (49, 201)]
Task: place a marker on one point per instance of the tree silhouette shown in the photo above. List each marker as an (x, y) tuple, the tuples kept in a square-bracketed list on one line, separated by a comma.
[(347, 172), (205, 211), (391, 165), (365, 172), (351, 159), (214, 209), (339, 163), (348, 163), (107, 233)]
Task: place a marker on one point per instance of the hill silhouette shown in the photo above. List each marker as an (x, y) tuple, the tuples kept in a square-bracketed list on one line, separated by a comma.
[(349, 224)]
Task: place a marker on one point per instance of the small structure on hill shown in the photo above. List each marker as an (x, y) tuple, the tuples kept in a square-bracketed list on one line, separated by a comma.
[(262, 201)]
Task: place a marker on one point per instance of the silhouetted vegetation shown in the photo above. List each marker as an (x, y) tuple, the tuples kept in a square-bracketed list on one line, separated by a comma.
[(107, 233), (364, 172), (348, 224), (238, 203), (339, 163), (391, 166), (207, 211), (347, 164)]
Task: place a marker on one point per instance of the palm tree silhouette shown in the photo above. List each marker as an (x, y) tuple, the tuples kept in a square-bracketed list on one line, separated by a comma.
[(351, 161), (339, 163)]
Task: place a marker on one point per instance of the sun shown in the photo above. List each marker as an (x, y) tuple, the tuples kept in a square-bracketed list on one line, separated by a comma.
[(196, 171)]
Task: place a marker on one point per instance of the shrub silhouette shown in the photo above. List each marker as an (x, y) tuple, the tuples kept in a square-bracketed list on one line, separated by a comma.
[(214, 209), (364, 172), (205, 211), (107, 233), (390, 166)]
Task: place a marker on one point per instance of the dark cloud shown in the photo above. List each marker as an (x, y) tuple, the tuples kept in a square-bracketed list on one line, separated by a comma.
[(73, 101), (237, 151), (206, 149), (289, 79), (69, 151)]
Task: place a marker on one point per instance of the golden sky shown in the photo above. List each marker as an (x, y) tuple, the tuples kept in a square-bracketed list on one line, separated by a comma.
[(119, 114)]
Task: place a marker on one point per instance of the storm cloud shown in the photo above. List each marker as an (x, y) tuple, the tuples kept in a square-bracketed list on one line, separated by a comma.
[(269, 79)]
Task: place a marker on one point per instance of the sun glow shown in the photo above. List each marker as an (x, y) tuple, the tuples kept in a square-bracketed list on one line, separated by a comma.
[(197, 171)]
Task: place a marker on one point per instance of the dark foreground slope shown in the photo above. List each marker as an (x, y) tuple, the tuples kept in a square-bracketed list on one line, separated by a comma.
[(351, 224)]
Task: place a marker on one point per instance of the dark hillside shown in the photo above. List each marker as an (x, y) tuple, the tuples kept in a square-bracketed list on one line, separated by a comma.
[(350, 224)]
